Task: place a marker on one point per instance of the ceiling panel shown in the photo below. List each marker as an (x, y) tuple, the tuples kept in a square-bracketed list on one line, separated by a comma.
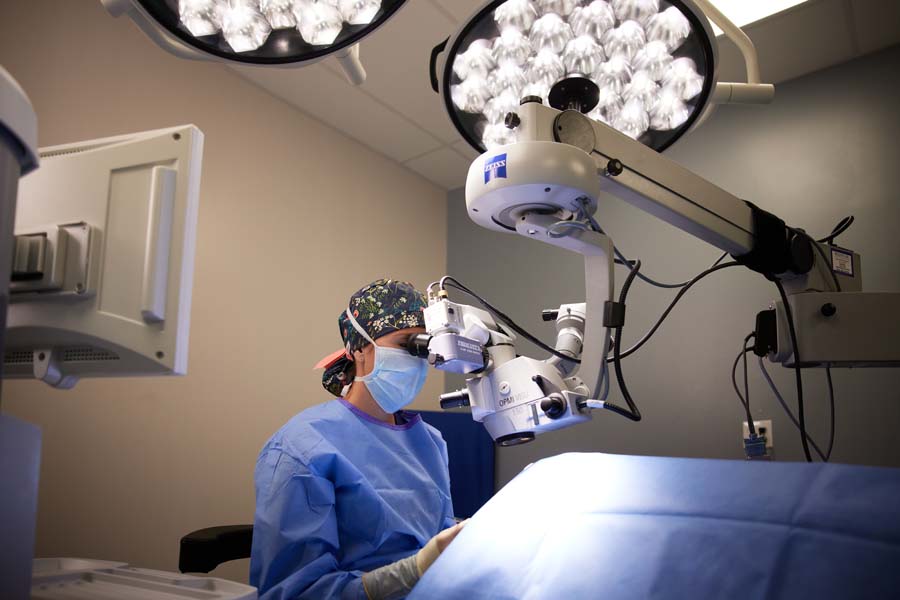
[(784, 44), (396, 113), (467, 151), (460, 9), (804, 39), (327, 96), (445, 167), (398, 72), (877, 23)]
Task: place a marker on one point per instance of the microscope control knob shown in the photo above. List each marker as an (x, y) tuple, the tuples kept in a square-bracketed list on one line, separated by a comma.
[(512, 120), (828, 310), (553, 406)]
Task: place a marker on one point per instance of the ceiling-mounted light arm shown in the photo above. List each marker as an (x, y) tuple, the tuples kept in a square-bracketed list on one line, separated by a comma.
[(736, 35), (753, 91), (353, 69), (160, 36)]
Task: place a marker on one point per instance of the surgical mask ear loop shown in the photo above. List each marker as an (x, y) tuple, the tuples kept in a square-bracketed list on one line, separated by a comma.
[(361, 332)]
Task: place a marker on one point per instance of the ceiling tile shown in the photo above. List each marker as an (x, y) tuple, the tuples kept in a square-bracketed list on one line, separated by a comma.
[(467, 151), (877, 24), (461, 9), (330, 98), (801, 40), (396, 113), (444, 167), (396, 60)]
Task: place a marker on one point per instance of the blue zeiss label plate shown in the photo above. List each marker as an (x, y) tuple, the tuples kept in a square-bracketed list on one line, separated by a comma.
[(495, 168)]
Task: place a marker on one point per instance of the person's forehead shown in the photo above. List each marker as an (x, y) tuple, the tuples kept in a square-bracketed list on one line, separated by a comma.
[(406, 331)]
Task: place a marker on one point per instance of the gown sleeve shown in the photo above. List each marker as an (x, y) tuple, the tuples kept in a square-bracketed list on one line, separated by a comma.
[(295, 536), (448, 519)]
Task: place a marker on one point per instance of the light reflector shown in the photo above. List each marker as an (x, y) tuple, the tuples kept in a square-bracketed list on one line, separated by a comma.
[(269, 31), (653, 61)]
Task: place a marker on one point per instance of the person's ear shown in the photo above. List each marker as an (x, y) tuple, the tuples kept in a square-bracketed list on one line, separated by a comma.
[(358, 357)]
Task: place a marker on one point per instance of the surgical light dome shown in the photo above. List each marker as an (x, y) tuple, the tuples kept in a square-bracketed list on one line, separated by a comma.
[(258, 32), (653, 61)]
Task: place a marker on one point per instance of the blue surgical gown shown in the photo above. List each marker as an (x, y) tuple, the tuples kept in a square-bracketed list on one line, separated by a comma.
[(339, 493)]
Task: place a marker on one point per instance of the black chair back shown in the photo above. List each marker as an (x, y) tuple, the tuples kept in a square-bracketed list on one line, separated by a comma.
[(205, 549)]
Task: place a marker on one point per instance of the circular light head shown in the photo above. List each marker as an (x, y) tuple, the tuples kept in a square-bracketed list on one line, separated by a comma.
[(268, 32), (653, 61)]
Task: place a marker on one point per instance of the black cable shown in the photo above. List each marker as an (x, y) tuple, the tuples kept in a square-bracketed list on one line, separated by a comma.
[(734, 384), (512, 324), (672, 304), (787, 409), (622, 260), (801, 417), (842, 226), (632, 413), (831, 401), (750, 424), (747, 384), (746, 404)]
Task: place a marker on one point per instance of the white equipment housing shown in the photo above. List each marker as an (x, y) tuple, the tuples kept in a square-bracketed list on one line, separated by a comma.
[(545, 185), (104, 258)]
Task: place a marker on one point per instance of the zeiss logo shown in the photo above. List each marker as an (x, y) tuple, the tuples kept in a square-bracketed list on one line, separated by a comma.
[(495, 168)]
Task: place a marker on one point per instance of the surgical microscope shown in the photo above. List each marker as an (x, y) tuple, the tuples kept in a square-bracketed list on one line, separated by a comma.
[(546, 186)]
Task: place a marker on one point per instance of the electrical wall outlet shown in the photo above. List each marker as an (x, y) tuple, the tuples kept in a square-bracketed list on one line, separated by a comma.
[(762, 428)]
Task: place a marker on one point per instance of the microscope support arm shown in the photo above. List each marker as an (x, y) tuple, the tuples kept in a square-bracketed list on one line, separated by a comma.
[(597, 250)]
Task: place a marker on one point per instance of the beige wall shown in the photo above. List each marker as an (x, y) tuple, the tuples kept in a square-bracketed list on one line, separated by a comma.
[(294, 217)]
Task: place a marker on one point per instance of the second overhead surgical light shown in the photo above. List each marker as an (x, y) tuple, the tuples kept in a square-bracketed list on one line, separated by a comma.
[(245, 25), (265, 33), (644, 55)]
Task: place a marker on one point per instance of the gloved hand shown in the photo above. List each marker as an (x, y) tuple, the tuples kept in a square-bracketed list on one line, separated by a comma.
[(427, 555), (398, 578)]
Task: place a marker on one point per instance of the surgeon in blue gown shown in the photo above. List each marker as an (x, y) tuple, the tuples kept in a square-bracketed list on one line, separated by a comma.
[(353, 495)]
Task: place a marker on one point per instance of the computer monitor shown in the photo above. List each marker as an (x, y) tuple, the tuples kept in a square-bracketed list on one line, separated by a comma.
[(104, 258)]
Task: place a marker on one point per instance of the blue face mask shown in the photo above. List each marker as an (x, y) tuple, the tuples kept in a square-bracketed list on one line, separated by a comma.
[(397, 377)]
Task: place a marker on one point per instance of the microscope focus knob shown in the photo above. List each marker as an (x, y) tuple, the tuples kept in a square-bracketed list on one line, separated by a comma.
[(553, 406)]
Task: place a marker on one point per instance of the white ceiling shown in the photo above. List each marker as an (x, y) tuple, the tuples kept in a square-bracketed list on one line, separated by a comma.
[(396, 113)]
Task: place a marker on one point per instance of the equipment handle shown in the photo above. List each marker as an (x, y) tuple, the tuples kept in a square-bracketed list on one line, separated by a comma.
[(158, 239), (432, 64)]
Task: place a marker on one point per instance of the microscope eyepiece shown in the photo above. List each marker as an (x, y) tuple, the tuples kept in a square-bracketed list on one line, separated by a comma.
[(418, 345)]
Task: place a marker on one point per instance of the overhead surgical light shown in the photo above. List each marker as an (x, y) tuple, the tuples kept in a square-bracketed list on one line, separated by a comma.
[(644, 67), (286, 33)]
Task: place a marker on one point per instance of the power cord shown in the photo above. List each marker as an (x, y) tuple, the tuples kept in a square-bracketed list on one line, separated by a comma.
[(632, 411), (745, 398), (825, 456), (635, 347), (622, 260), (831, 402), (842, 226), (801, 417)]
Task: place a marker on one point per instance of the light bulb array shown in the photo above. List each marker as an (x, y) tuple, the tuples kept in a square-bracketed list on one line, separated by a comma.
[(634, 50), (245, 25)]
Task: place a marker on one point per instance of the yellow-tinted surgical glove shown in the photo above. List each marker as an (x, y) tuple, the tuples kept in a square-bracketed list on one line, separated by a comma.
[(427, 555), (398, 578)]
